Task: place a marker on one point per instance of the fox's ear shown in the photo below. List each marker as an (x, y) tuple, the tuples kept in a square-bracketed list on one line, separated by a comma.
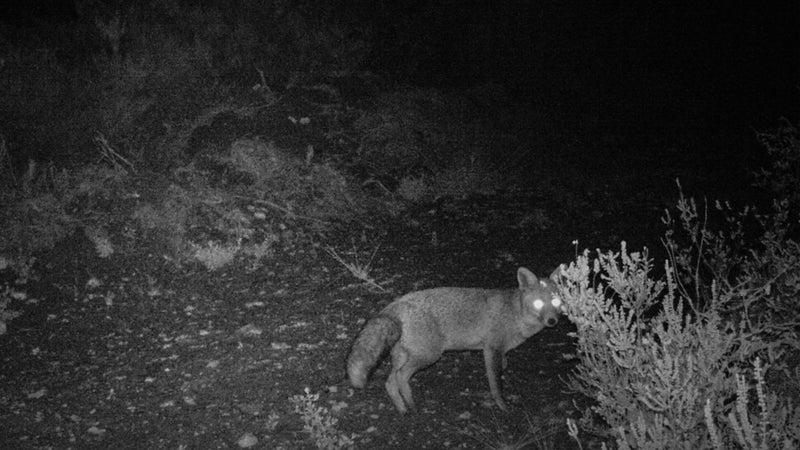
[(526, 278), (556, 275)]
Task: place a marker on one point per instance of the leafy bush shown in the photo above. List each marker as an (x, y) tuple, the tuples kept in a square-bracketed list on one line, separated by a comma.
[(50, 204), (761, 429), (221, 229), (651, 366), (298, 188), (665, 359), (747, 271)]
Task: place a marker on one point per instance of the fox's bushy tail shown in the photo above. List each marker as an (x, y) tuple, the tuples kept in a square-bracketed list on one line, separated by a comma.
[(379, 334)]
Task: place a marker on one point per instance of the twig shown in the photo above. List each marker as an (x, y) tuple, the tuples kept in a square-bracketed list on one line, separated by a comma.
[(360, 271)]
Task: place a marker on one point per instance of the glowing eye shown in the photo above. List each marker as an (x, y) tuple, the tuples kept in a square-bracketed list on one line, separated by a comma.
[(538, 304), (556, 302)]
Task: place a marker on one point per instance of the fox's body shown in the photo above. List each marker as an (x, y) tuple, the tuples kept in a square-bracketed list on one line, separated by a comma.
[(420, 326)]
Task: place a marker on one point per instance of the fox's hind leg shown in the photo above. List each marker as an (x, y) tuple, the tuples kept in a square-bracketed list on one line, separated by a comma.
[(393, 385), (405, 364)]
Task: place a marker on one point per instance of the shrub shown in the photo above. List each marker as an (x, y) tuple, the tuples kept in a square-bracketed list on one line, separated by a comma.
[(747, 271), (652, 367), (50, 204), (264, 173), (665, 359), (761, 429)]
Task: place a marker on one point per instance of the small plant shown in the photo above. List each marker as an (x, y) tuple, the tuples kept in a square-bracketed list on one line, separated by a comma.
[(572, 430), (413, 189), (215, 256), (273, 419), (258, 252), (99, 237), (318, 422)]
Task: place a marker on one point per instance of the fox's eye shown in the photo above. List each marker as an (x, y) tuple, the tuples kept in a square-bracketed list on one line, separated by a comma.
[(556, 302), (538, 304)]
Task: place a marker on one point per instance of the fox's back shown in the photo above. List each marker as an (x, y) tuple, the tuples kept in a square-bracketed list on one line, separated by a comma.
[(459, 318), (464, 318)]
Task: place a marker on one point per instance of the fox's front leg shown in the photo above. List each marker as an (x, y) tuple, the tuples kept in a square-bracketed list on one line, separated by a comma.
[(495, 359)]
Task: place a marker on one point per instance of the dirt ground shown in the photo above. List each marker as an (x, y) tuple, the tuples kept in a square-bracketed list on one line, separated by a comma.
[(134, 351)]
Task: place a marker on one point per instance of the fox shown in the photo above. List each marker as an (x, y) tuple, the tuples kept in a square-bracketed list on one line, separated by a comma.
[(420, 326)]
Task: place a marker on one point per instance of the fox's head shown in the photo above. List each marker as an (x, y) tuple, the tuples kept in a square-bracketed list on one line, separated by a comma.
[(540, 298)]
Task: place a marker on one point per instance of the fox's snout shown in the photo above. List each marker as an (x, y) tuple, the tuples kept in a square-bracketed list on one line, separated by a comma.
[(546, 307)]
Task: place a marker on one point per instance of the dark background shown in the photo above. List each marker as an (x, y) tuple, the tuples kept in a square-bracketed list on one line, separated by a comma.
[(608, 65)]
